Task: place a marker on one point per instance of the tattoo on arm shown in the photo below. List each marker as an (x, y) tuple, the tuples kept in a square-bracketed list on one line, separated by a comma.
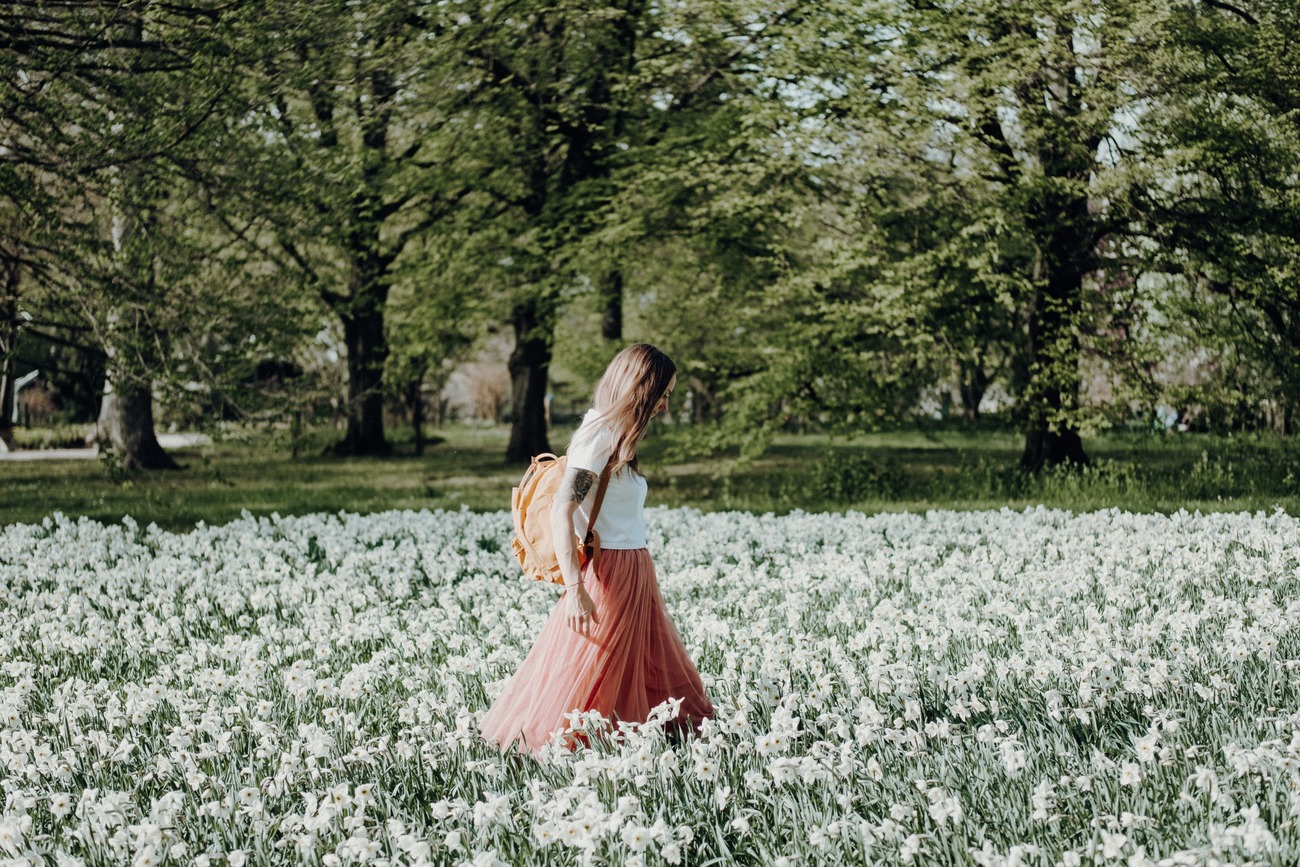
[(577, 484)]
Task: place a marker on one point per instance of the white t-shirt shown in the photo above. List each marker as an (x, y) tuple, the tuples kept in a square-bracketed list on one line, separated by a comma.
[(621, 522)]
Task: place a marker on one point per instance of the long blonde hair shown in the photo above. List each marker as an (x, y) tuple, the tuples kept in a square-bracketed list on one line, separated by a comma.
[(626, 396)]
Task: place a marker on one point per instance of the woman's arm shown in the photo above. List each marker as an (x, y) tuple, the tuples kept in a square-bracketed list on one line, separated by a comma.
[(574, 487)]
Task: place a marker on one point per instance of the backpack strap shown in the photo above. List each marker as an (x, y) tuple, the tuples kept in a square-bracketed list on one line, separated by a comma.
[(591, 540), (600, 497)]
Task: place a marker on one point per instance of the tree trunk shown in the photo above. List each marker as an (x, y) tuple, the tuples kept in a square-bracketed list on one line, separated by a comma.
[(1051, 437), (8, 344), (1052, 100), (415, 404), (1047, 445), (125, 427), (529, 368), (295, 432), (363, 334), (974, 383), (417, 422), (611, 299), (370, 257), (6, 404), (704, 403)]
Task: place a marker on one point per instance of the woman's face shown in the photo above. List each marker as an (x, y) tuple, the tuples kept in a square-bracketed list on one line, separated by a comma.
[(662, 405)]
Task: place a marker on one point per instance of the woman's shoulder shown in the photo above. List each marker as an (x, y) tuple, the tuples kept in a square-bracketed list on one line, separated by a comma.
[(593, 442), (594, 427)]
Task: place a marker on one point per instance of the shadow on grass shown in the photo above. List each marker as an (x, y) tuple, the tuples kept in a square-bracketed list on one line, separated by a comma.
[(880, 472)]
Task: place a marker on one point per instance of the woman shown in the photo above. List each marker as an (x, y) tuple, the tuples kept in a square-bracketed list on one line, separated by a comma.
[(609, 645)]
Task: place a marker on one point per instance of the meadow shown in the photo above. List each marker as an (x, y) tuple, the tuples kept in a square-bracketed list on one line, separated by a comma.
[(999, 687), (889, 471)]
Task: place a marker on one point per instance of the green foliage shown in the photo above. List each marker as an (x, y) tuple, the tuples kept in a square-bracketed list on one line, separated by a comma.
[(64, 436), (822, 212), (959, 194), (1220, 188), (115, 124), (846, 477)]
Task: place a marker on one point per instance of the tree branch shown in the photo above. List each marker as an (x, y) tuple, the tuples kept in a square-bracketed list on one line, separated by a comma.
[(1234, 10), (63, 341)]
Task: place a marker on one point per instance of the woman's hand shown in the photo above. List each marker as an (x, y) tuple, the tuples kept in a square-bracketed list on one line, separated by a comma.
[(579, 610)]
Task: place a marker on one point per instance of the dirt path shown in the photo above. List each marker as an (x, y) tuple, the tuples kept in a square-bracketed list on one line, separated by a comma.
[(167, 441)]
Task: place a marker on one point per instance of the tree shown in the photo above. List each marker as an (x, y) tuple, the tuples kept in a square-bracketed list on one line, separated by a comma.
[(9, 328), (551, 85), (1001, 120), (1221, 199), (347, 163), (1043, 99), (118, 136), (96, 95), (839, 227), (593, 108), (435, 317)]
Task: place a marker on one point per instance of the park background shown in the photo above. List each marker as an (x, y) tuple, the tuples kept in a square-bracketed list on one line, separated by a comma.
[(985, 316), (906, 254)]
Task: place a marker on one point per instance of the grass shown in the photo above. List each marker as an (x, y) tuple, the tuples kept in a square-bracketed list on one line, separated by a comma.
[(883, 472)]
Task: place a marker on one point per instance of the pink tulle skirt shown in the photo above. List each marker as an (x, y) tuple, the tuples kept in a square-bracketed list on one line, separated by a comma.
[(631, 660)]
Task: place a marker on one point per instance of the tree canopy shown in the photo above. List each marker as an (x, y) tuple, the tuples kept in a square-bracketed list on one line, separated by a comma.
[(831, 214)]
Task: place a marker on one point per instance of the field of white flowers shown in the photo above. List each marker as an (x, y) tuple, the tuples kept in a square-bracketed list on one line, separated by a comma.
[(950, 688)]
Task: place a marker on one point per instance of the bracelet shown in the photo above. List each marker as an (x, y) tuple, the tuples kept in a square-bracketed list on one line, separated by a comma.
[(574, 584)]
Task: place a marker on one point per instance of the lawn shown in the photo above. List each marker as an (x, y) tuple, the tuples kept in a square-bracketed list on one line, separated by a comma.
[(892, 471)]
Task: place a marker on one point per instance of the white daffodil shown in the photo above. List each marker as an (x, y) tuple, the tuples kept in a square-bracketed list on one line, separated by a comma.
[(282, 685)]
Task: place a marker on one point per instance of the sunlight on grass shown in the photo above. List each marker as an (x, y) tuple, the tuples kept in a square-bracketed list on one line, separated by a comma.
[(877, 472)]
